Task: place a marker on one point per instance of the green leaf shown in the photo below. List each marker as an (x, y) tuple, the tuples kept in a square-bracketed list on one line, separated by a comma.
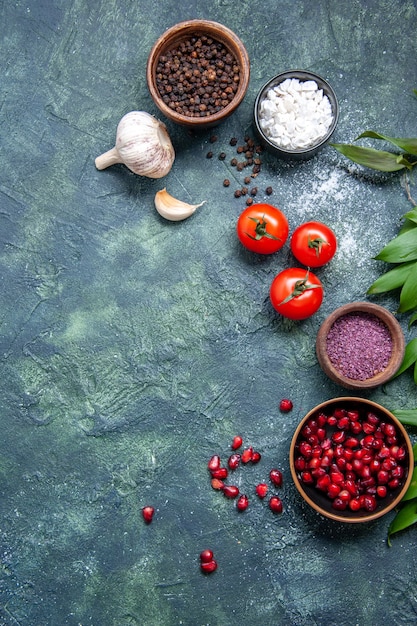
[(408, 295), (412, 319), (407, 417), (411, 215), (407, 144), (410, 356), (393, 279), (406, 516), (375, 159), (401, 248), (412, 489)]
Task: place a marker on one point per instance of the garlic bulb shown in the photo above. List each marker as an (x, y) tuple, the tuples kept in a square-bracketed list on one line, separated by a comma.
[(173, 209), (142, 144)]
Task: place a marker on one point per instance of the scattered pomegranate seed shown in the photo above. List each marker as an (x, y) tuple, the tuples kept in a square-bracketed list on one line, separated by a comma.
[(256, 457), (233, 461), (206, 556), (276, 477), (275, 504), (231, 491), (221, 473), (242, 503), (217, 484), (147, 513), (285, 405), (214, 463), (237, 442), (210, 567), (246, 455), (261, 490)]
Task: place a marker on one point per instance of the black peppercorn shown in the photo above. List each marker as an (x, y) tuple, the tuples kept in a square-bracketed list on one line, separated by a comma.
[(233, 162), (249, 201), (222, 156), (254, 191), (238, 193), (233, 141), (268, 191), (209, 155), (226, 182)]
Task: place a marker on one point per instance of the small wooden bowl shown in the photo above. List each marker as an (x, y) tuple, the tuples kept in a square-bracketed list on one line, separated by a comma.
[(319, 500), (398, 345), (180, 32)]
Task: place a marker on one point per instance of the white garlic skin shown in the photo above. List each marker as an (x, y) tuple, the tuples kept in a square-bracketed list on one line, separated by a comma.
[(142, 144)]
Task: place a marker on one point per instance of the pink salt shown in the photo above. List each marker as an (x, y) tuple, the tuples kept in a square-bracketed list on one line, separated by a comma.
[(359, 345)]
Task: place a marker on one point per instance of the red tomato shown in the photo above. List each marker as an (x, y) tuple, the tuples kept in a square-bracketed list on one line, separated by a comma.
[(296, 293), (262, 228), (313, 244)]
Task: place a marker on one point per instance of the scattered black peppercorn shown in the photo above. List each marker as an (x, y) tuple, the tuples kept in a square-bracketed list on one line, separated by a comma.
[(244, 191), (233, 141), (213, 139), (209, 155), (249, 201), (254, 191), (238, 193), (247, 180), (268, 191), (222, 156), (226, 182), (233, 162)]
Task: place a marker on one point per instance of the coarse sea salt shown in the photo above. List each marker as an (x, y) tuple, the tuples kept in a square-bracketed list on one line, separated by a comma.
[(295, 114)]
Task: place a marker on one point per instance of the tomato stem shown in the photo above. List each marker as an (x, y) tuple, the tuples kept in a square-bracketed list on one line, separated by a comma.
[(300, 286), (317, 244), (260, 230)]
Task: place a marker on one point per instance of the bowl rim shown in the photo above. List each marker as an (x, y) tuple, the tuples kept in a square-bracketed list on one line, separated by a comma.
[(301, 75), (338, 516), (180, 31), (398, 340)]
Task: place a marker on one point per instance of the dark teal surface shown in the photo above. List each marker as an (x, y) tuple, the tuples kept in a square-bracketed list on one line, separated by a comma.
[(132, 349)]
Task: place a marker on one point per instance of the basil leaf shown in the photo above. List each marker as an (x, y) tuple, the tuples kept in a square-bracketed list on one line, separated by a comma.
[(407, 417), (393, 279), (375, 159), (408, 295), (412, 489), (401, 248), (407, 144), (406, 516), (410, 356)]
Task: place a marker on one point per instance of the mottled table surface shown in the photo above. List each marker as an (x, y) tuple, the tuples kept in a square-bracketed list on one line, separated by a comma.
[(132, 348)]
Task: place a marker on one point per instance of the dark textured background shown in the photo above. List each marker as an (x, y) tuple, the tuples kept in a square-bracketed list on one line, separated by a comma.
[(133, 348)]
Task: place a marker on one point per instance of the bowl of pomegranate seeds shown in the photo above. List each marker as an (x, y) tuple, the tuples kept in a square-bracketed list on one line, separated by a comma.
[(351, 459), (198, 73), (360, 345)]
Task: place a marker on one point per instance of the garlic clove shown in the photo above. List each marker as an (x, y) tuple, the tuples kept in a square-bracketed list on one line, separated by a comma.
[(142, 144), (172, 209)]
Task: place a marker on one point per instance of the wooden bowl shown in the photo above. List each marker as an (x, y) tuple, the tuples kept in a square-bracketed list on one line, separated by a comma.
[(397, 342), (181, 32), (317, 498)]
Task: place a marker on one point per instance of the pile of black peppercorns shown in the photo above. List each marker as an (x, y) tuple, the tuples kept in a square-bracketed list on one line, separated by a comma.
[(248, 156), (197, 78)]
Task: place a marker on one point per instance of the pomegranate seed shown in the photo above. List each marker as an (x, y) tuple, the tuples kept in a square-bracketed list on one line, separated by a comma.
[(368, 428), (275, 504), (307, 478), (261, 490), (338, 437), (206, 556), (351, 442), (339, 504), (345, 495), (356, 428), (285, 405), (332, 420), (333, 491), (256, 457), (247, 455), (353, 415), (242, 503), (381, 491), (369, 503), (323, 483), (305, 449), (217, 484), (339, 412), (220, 473), (373, 419), (389, 430), (147, 513), (209, 567), (300, 464), (321, 420), (231, 491), (355, 504), (397, 472), (276, 477), (393, 483), (237, 442), (214, 463), (389, 464), (343, 422), (233, 461)]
